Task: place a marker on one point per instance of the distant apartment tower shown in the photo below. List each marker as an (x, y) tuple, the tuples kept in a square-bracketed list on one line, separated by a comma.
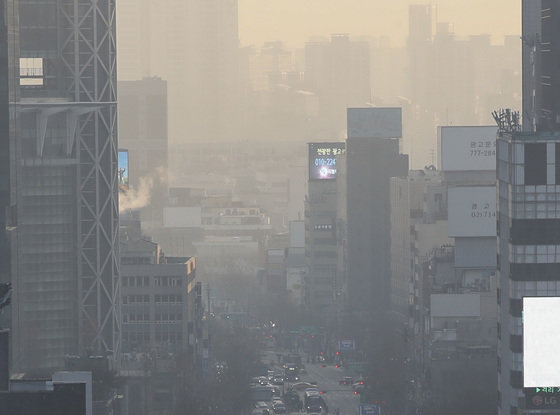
[(420, 53), (143, 132), (65, 249), (338, 72), (372, 158), (321, 283), (193, 44)]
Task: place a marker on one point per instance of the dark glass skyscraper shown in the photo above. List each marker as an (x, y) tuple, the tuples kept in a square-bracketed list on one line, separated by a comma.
[(65, 253), (550, 66), (372, 158), (8, 93)]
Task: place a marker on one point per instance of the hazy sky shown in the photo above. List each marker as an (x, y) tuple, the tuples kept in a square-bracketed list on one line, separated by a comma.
[(293, 21)]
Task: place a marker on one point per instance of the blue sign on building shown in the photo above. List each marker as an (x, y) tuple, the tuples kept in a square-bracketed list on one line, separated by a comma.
[(346, 345), (369, 409)]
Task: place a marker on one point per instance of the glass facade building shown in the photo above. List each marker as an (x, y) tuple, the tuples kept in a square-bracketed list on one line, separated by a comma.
[(528, 173), (65, 253)]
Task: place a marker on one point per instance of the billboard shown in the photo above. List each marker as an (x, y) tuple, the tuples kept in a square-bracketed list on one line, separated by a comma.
[(374, 122), (467, 148), (323, 158), (541, 337), (542, 398), (123, 170), (471, 211)]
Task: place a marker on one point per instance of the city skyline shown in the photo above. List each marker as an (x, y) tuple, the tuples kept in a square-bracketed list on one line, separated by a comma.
[(295, 22)]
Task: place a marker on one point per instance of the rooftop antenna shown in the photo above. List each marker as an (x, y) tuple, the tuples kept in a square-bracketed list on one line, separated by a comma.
[(508, 121)]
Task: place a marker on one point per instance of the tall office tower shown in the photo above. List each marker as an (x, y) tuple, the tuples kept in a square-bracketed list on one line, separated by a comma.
[(420, 54), (193, 45), (210, 97), (8, 93), (143, 132), (338, 72), (136, 38), (549, 117), (531, 45), (320, 230), (372, 158), (541, 71), (65, 254), (528, 171)]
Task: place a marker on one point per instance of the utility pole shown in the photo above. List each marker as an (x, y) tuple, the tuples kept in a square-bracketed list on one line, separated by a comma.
[(208, 297)]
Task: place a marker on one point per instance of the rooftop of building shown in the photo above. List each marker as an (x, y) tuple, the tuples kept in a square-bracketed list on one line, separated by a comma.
[(531, 136), (177, 260)]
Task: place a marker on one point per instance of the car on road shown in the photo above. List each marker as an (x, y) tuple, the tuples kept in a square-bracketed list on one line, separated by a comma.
[(278, 380), (346, 380), (279, 408), (293, 401), (261, 408), (358, 386), (301, 386)]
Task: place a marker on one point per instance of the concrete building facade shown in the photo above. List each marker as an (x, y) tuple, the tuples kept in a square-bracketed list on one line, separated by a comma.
[(321, 283)]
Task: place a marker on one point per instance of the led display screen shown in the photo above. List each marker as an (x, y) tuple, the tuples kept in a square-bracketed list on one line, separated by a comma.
[(323, 160)]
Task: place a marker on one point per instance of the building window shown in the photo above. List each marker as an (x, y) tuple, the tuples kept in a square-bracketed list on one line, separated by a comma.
[(535, 164), (31, 72), (516, 379), (557, 162)]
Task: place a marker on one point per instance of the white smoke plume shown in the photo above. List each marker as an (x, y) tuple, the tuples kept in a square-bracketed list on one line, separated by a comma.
[(137, 198)]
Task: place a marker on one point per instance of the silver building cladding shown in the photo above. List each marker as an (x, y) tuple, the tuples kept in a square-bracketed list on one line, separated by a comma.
[(65, 254), (528, 173)]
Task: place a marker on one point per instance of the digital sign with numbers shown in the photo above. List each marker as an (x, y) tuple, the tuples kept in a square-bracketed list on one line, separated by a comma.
[(323, 158)]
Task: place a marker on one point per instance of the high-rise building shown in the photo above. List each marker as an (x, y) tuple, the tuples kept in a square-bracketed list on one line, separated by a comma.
[(65, 251), (528, 171), (541, 74), (322, 285), (193, 45), (528, 175), (549, 117), (7, 95), (338, 72), (143, 133), (372, 158), (531, 44)]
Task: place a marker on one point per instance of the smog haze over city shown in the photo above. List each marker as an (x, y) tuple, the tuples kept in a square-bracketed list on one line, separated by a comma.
[(258, 207), (294, 22)]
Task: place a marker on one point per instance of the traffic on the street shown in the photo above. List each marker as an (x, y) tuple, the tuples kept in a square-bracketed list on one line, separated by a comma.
[(305, 382)]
